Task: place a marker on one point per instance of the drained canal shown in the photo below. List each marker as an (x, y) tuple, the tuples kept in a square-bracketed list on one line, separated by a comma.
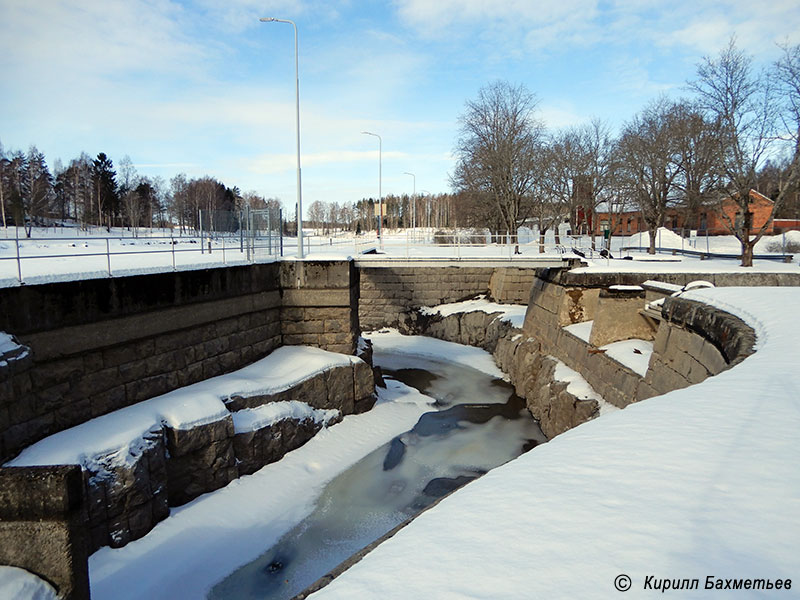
[(478, 424)]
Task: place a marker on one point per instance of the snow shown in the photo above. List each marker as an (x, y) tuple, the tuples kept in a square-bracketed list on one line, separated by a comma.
[(7, 343), (10, 349), (19, 584), (683, 264), (634, 354), (392, 340), (661, 286), (579, 387), (581, 330), (253, 419), (664, 239), (626, 288), (120, 433), (702, 481), (512, 313)]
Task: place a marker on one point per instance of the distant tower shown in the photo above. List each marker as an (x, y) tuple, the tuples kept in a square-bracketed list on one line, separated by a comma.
[(582, 196)]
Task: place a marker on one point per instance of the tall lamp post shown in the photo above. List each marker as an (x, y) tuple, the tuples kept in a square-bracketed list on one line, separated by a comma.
[(413, 199), (380, 194), (297, 121)]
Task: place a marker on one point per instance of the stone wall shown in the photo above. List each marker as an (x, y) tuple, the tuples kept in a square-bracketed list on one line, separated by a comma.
[(388, 292), (606, 280), (99, 345), (686, 349), (41, 528), (692, 342), (129, 491)]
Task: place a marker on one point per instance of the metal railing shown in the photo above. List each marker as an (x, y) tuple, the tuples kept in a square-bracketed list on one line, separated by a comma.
[(123, 255)]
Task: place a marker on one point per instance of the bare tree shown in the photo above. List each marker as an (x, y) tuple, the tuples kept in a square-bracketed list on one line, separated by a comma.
[(582, 171), (650, 161), (38, 200), (742, 104), (698, 145), (787, 75), (316, 214), (333, 216), (496, 149)]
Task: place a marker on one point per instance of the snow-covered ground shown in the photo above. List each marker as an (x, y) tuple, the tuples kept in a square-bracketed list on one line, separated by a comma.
[(700, 482), (56, 254)]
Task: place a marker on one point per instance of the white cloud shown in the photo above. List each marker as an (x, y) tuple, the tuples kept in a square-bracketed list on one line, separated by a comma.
[(84, 38)]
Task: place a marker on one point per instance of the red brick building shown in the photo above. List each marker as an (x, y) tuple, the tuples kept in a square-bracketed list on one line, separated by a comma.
[(708, 219)]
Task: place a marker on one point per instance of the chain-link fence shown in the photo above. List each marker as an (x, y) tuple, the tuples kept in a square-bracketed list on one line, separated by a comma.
[(259, 231)]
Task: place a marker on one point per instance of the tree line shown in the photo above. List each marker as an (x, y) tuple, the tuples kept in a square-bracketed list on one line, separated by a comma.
[(93, 193), (400, 212), (739, 130)]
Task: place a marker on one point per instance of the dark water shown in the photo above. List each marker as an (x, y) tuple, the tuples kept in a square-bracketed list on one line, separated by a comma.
[(479, 424)]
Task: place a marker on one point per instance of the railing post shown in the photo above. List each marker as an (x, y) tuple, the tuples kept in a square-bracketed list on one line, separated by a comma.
[(108, 256), (172, 245), (19, 262)]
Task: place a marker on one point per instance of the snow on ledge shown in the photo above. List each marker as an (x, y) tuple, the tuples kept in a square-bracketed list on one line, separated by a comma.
[(579, 387), (513, 313), (10, 349), (634, 354), (252, 419), (626, 288), (121, 432), (581, 331)]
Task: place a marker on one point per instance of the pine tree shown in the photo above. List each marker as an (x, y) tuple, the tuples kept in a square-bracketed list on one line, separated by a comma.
[(104, 194)]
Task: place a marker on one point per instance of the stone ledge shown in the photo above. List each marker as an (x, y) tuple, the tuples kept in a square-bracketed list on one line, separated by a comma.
[(734, 339)]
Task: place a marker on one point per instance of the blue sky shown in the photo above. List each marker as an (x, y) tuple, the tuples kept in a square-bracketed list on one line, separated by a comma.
[(203, 87)]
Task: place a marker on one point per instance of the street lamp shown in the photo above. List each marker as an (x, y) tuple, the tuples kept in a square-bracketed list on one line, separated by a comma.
[(297, 120), (380, 194), (413, 199)]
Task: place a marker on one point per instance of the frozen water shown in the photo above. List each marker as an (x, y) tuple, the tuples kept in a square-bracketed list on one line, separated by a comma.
[(480, 425)]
